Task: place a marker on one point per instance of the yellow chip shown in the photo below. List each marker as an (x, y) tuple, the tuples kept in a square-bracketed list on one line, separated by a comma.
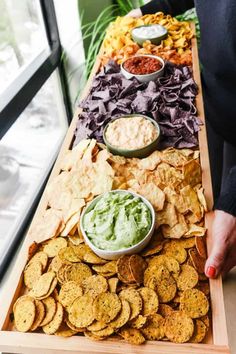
[(24, 313), (137, 266), (42, 286), (109, 267), (165, 310), (154, 246), (61, 273), (68, 254), (175, 250), (200, 243), (132, 335), (167, 216), (138, 322), (39, 315), (176, 199), (97, 326), (95, 285), (106, 307), (55, 264), (50, 310), (192, 173), (32, 273), (195, 230), (92, 336), (163, 284), (150, 162), (178, 327), (123, 316), (200, 330), (150, 301), (53, 326), (124, 270), (41, 257), (154, 328), (188, 278), (187, 243), (134, 299), (154, 194), (173, 157), (69, 292), (197, 260), (81, 311), (53, 246), (105, 332), (167, 261), (90, 257), (112, 284), (204, 287), (77, 272), (191, 200), (194, 303), (65, 331), (177, 231)]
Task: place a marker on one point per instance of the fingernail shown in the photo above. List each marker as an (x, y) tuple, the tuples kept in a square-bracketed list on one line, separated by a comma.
[(211, 272)]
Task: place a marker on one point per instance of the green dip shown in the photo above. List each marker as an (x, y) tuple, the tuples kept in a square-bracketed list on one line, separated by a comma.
[(117, 221)]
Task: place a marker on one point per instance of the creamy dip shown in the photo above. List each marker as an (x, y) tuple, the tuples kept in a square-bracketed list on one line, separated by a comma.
[(131, 133), (151, 31)]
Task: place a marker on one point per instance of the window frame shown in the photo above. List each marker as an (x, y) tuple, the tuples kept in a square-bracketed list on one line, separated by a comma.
[(19, 94)]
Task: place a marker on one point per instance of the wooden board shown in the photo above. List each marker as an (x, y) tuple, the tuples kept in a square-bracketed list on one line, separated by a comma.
[(16, 342)]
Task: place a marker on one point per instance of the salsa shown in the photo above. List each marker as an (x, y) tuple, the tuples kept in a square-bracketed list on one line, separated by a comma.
[(142, 65)]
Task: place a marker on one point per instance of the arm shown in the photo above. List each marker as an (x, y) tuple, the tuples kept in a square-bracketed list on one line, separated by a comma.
[(223, 255), (171, 7)]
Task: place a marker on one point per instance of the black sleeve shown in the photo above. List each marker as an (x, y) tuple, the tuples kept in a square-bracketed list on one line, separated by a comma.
[(171, 7), (227, 198)]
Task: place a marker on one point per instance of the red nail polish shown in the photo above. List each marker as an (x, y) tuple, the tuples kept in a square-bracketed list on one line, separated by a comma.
[(211, 271)]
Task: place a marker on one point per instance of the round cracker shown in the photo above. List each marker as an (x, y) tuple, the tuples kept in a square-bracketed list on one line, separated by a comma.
[(53, 246), (188, 278), (41, 257), (175, 250), (178, 327), (163, 284), (200, 242), (150, 301), (55, 264), (92, 336), (97, 326), (95, 285), (50, 310), (167, 261), (56, 322), (65, 331), (105, 332), (69, 292), (24, 313), (124, 271), (39, 315), (68, 254), (42, 286), (200, 330), (165, 310), (138, 322), (106, 307), (81, 311), (132, 335), (77, 272), (61, 273), (32, 272), (154, 328), (123, 316), (194, 303), (134, 299), (137, 266)]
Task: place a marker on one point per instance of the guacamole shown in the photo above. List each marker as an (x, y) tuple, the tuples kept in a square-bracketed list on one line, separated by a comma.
[(118, 220)]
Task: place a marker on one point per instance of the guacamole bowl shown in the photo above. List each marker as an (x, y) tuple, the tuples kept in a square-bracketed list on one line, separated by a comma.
[(140, 152), (117, 223)]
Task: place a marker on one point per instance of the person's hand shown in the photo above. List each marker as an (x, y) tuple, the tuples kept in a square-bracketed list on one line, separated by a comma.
[(134, 13), (223, 254)]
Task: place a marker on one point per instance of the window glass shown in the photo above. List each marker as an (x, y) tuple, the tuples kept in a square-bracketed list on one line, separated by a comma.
[(22, 37), (27, 152)]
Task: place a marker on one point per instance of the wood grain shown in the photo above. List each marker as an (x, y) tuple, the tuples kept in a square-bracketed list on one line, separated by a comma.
[(32, 343)]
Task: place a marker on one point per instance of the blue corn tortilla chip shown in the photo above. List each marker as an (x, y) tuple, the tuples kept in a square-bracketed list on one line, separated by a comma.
[(170, 100)]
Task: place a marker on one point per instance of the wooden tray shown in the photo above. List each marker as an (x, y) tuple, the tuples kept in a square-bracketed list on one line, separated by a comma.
[(16, 342)]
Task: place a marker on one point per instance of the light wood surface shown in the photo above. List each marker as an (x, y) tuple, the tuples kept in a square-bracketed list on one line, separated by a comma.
[(15, 342)]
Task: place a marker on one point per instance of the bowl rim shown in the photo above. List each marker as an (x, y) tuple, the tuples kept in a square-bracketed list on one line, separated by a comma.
[(124, 250), (156, 125), (150, 25), (160, 59)]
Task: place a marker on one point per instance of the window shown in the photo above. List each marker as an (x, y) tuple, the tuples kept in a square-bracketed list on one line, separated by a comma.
[(34, 111)]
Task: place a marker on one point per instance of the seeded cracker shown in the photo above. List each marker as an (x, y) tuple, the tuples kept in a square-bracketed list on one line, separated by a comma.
[(68, 254), (137, 267), (106, 307), (194, 303), (132, 335), (134, 299), (81, 311), (24, 313), (164, 285), (123, 316), (179, 327), (154, 328), (39, 315), (124, 270), (94, 285), (150, 301), (53, 246), (32, 273), (41, 257), (55, 324), (42, 287), (69, 292), (188, 278), (50, 310), (77, 272), (97, 326), (105, 332), (200, 330)]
